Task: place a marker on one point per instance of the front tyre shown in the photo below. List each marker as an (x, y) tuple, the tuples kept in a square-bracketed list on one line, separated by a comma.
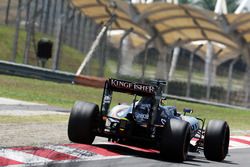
[(82, 122), (216, 140), (175, 140)]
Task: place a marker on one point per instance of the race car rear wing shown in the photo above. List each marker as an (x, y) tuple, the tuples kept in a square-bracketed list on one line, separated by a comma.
[(131, 87), (116, 85), (134, 88)]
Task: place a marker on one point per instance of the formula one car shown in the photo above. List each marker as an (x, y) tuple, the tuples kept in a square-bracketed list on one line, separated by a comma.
[(148, 122)]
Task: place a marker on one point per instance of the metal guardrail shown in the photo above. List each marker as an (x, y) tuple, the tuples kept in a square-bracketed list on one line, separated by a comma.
[(35, 72), (29, 71)]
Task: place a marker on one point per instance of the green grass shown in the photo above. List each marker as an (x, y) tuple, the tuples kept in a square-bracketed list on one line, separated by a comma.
[(69, 55), (64, 95), (51, 93), (70, 58)]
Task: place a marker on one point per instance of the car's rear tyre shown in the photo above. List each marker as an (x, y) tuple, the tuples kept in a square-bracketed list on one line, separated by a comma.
[(82, 122), (175, 140), (216, 140)]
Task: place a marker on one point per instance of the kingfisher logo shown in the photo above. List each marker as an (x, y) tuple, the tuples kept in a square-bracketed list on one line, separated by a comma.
[(143, 88), (119, 84)]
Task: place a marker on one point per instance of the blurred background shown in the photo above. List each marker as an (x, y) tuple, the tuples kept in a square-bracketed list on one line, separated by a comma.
[(70, 32)]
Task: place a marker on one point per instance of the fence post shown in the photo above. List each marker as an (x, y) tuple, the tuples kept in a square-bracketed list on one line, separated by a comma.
[(175, 57), (54, 17), (47, 16), (247, 83), (62, 6), (68, 20), (190, 74), (167, 67), (86, 35), (7, 12), (37, 13), (212, 70), (29, 27), (27, 14), (81, 35), (102, 55), (72, 29), (229, 82), (42, 16), (120, 51), (146, 56), (190, 70), (161, 67), (58, 43), (15, 42), (208, 68), (77, 29)]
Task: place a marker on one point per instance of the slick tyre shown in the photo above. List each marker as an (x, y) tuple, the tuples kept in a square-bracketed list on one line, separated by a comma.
[(83, 122), (216, 140), (175, 140)]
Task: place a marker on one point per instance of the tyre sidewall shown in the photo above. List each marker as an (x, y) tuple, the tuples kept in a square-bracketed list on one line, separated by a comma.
[(82, 122), (175, 140), (216, 140)]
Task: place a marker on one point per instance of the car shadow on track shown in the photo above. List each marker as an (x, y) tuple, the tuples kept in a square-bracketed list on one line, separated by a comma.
[(128, 151), (194, 159), (197, 159)]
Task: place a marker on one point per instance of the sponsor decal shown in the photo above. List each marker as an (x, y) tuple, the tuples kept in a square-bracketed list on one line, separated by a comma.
[(163, 121), (141, 116), (119, 84), (195, 127)]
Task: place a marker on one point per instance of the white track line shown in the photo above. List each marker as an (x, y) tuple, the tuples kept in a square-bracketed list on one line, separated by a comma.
[(247, 138), (7, 101), (235, 144), (22, 156)]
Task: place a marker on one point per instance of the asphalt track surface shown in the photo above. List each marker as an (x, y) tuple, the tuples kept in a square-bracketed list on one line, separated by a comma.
[(237, 157)]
